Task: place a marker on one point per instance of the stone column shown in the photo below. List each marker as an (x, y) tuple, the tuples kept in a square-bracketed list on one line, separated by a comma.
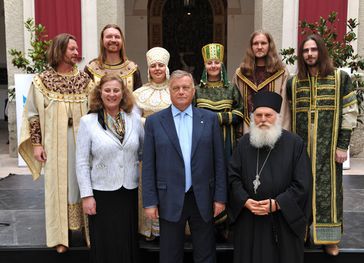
[(357, 142), (361, 29), (14, 38), (107, 13), (269, 17)]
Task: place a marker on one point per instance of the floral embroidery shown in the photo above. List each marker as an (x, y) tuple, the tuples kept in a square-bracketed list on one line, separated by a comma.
[(65, 84), (35, 132)]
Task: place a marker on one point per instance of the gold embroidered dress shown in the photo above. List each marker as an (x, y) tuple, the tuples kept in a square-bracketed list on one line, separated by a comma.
[(324, 112), (128, 72), (51, 116), (150, 98), (275, 82)]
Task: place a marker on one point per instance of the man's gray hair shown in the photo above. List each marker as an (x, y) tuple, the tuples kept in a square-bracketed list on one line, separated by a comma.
[(177, 74)]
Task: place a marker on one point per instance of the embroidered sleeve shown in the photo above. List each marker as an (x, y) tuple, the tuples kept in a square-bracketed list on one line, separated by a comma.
[(35, 132), (349, 111)]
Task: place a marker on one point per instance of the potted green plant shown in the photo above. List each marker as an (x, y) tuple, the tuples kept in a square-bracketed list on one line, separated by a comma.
[(34, 62)]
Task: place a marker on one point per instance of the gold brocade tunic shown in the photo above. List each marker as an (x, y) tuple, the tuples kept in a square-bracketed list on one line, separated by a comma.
[(51, 116), (275, 83), (128, 72)]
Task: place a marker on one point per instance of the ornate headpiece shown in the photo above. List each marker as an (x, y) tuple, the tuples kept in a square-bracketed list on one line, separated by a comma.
[(158, 54), (213, 51)]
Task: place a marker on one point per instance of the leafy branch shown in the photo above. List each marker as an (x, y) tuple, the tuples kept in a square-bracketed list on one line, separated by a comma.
[(340, 50), (37, 55)]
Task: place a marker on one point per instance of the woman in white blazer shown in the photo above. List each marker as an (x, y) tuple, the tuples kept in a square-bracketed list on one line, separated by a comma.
[(109, 144)]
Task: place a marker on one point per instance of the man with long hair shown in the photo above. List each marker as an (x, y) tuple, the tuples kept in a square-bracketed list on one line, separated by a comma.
[(324, 112), (261, 70), (56, 101), (112, 59)]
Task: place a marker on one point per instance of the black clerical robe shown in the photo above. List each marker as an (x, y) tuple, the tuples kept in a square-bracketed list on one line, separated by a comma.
[(286, 177)]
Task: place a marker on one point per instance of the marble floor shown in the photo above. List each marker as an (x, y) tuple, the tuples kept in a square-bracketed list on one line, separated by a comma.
[(22, 212)]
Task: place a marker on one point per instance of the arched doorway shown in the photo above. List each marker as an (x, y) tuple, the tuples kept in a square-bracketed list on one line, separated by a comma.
[(183, 27)]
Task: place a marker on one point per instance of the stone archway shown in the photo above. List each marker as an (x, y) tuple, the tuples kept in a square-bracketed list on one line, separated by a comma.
[(186, 54)]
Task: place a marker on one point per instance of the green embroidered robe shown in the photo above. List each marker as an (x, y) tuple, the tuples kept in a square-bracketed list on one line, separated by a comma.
[(324, 112), (225, 100)]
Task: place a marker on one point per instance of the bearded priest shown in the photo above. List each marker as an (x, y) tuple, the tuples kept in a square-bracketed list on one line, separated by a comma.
[(270, 181)]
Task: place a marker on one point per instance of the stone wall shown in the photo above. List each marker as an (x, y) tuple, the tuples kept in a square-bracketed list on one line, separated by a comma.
[(14, 35), (357, 141), (269, 17), (13, 142)]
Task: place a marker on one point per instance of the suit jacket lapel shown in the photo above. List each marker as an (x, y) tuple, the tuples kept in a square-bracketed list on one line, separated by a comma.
[(197, 128), (167, 123), (112, 136)]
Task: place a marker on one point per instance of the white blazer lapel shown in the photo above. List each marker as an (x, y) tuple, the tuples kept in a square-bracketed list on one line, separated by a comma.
[(112, 136), (128, 127)]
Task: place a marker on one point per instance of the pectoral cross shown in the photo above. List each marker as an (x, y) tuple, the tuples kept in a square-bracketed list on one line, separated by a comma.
[(256, 183)]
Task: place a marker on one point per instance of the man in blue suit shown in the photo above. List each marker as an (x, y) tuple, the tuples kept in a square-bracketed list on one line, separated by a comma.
[(184, 176)]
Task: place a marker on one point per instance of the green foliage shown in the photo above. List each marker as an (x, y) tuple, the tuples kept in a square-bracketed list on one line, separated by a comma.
[(358, 81), (340, 50), (37, 55), (11, 93), (288, 55)]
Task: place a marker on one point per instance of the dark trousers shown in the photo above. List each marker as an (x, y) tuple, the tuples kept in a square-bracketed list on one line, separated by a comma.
[(172, 235)]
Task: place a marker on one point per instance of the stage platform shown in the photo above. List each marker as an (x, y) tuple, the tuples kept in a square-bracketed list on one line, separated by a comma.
[(22, 233)]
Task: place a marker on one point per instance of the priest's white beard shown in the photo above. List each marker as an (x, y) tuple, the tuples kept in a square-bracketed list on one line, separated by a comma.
[(260, 137)]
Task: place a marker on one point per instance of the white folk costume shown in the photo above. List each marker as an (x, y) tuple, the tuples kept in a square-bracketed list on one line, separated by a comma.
[(51, 117), (128, 72), (151, 98)]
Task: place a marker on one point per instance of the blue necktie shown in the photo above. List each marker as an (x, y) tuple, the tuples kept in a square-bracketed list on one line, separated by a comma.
[(185, 144)]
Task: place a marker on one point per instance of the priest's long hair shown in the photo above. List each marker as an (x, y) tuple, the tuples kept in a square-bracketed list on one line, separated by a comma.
[(324, 62), (273, 62)]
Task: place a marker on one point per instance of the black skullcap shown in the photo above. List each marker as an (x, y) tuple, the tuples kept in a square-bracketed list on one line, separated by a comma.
[(267, 99)]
